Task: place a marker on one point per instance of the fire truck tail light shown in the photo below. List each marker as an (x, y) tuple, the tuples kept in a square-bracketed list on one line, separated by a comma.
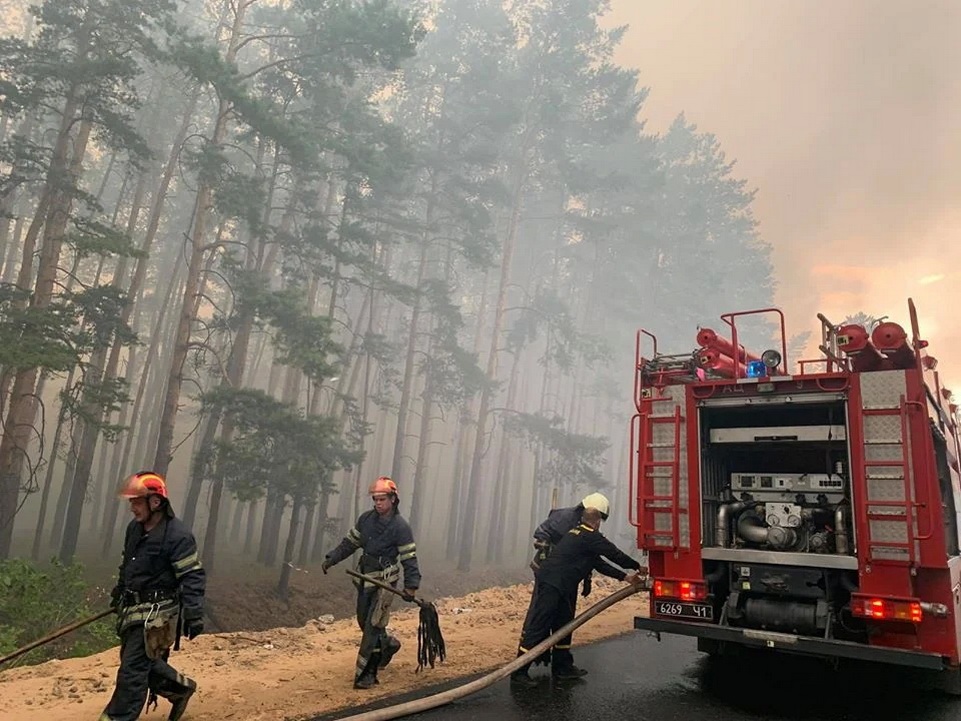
[(683, 590), (886, 609)]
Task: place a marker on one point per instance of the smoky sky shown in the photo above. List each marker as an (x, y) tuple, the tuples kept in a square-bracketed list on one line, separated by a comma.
[(845, 115)]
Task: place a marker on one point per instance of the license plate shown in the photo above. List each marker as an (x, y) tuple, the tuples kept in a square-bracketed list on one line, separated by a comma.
[(697, 611)]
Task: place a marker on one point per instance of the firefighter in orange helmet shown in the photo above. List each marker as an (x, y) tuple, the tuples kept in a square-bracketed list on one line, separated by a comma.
[(387, 543), (159, 594)]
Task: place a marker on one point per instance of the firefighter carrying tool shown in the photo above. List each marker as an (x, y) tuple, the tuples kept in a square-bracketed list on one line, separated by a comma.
[(387, 543), (159, 593), (430, 639), (810, 510)]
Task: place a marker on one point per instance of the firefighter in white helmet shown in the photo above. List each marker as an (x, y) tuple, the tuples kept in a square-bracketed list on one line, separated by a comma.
[(547, 535), (581, 550), (559, 521)]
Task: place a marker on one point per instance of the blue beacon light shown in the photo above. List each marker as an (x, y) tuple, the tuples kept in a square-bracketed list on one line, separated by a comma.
[(756, 369)]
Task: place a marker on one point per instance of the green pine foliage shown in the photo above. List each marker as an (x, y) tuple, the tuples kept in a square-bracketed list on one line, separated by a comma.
[(36, 600)]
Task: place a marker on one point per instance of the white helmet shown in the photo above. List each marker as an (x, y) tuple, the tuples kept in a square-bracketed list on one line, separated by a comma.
[(598, 501)]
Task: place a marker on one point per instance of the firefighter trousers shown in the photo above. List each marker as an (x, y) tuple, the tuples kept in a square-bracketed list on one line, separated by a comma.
[(373, 614), (138, 674), (550, 609)]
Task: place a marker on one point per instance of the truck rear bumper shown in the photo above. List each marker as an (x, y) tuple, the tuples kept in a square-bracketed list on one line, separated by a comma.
[(794, 644)]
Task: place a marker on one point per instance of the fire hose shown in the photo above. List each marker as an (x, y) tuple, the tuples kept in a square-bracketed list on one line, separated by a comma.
[(445, 697), (429, 702), (55, 635)]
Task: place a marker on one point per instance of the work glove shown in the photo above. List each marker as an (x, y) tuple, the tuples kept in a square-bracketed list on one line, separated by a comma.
[(325, 566), (409, 594), (586, 590), (116, 595), (193, 627)]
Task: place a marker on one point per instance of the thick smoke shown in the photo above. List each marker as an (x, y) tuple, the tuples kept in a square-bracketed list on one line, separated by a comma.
[(845, 116)]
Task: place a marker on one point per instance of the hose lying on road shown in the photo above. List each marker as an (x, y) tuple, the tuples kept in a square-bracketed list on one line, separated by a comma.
[(446, 697)]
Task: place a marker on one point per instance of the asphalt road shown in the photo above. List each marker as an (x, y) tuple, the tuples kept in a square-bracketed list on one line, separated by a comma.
[(635, 677)]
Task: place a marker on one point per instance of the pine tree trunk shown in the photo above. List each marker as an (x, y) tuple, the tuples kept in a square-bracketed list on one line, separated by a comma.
[(48, 479), (153, 354), (456, 514), (474, 481), (53, 213), (9, 199), (236, 523), (63, 498), (236, 365), (204, 207), (283, 585), (420, 491), (303, 555), (100, 370), (267, 531), (251, 526), (10, 270), (499, 509), (409, 362), (318, 548), (273, 538)]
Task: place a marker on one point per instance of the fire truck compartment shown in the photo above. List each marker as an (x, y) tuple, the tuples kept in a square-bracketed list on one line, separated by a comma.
[(774, 482)]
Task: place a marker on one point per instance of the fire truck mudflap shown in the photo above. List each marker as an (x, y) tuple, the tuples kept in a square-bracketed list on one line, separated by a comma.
[(811, 512)]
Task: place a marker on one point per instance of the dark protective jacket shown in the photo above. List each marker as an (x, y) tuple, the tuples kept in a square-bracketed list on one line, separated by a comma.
[(558, 522), (386, 541), (551, 531), (579, 552), (156, 566)]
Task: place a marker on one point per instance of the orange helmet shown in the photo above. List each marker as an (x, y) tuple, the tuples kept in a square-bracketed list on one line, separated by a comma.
[(384, 484), (143, 484)]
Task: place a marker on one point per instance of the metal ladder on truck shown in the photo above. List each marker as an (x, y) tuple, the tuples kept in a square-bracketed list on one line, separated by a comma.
[(888, 516), (656, 470)]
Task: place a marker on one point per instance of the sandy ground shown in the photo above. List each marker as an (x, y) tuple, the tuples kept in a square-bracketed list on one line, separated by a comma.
[(292, 673)]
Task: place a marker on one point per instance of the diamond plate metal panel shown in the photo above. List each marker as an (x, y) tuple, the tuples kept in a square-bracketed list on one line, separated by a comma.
[(882, 430), (885, 489), (882, 389), (662, 486), (663, 522), (665, 408), (890, 554), (663, 435), (889, 531), (884, 452), (889, 472), (893, 511), (662, 455)]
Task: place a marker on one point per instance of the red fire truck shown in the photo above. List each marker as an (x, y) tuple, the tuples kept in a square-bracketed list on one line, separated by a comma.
[(812, 512)]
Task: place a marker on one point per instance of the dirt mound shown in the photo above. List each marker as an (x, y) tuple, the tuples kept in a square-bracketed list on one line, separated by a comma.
[(247, 600), (289, 673)]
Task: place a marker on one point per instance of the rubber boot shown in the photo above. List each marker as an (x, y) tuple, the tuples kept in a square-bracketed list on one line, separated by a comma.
[(569, 674), (520, 676), (180, 703), (366, 680), (390, 648)]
